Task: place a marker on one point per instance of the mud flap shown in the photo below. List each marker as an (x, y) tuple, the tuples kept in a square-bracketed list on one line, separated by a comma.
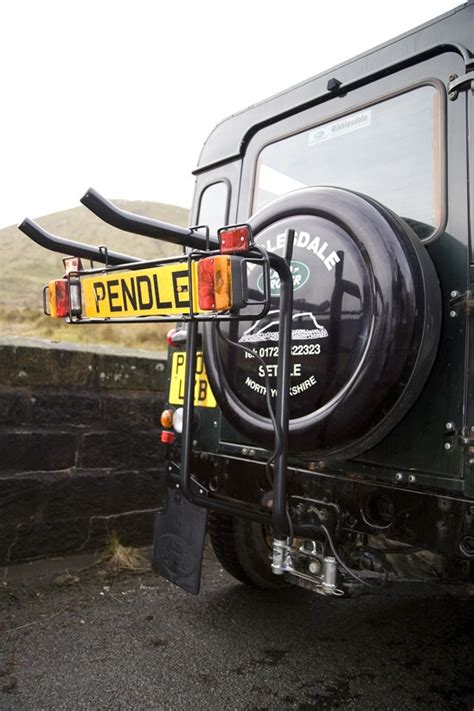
[(179, 542)]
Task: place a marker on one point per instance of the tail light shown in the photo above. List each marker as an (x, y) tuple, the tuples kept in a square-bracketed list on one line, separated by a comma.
[(235, 239), (221, 283), (58, 301), (166, 421), (64, 298), (174, 337), (72, 264)]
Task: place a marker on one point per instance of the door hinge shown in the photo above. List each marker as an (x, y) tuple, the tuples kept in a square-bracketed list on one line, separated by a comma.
[(462, 83)]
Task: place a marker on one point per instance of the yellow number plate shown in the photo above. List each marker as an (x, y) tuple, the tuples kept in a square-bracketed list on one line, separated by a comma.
[(203, 395), (156, 291)]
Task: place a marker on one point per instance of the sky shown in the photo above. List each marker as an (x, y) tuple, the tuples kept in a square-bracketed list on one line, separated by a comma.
[(120, 95)]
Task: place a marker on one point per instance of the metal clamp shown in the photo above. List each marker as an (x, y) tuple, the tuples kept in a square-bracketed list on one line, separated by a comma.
[(457, 84)]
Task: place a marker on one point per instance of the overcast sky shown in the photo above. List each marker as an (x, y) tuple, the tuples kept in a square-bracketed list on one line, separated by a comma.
[(121, 94)]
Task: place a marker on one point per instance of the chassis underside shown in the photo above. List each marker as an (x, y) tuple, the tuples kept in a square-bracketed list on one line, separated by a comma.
[(389, 537)]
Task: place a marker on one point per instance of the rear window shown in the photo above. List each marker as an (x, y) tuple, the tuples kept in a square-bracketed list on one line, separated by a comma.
[(390, 151)]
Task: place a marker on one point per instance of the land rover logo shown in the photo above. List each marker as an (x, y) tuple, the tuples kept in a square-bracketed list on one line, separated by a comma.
[(299, 271)]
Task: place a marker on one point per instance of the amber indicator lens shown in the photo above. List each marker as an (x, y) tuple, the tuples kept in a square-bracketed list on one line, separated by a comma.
[(166, 419), (222, 283)]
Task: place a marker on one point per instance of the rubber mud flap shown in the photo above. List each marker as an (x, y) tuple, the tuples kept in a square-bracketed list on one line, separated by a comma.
[(179, 542)]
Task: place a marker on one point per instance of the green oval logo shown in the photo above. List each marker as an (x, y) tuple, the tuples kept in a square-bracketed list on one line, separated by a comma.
[(299, 271)]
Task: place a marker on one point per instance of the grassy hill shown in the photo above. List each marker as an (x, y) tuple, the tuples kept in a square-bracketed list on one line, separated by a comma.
[(25, 268)]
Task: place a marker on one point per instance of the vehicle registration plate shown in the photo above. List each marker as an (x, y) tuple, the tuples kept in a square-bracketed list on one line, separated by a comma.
[(155, 291), (203, 395)]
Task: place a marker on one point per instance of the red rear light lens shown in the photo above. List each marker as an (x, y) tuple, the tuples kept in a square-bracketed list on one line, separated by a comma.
[(235, 239), (59, 306), (175, 337), (205, 270), (168, 437)]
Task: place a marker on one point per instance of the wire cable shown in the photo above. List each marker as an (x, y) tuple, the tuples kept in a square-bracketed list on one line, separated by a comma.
[(345, 567), (276, 426), (275, 423)]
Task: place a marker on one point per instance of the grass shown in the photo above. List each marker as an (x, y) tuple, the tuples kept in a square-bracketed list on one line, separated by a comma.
[(25, 267), (25, 321), (117, 557)]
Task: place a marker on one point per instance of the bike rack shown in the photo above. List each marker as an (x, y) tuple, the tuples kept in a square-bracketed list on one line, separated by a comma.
[(191, 238)]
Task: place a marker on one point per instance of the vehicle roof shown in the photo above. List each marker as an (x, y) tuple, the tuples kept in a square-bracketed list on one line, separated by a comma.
[(453, 30)]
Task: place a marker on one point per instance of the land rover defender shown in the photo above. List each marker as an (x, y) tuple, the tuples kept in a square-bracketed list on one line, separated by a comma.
[(320, 422)]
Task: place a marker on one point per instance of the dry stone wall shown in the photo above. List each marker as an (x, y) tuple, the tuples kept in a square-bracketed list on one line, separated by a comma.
[(80, 453)]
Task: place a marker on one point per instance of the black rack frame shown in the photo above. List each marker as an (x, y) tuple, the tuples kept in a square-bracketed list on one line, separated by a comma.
[(191, 489)]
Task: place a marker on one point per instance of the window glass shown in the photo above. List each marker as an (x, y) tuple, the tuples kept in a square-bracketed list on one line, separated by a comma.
[(389, 151), (213, 206)]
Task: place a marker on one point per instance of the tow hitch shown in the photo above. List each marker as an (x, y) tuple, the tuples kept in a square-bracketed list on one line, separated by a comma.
[(322, 569)]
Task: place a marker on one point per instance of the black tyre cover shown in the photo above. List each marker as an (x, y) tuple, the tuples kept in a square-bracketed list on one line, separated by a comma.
[(367, 314)]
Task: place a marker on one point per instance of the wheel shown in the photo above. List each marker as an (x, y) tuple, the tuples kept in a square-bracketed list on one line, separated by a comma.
[(366, 324), (242, 549)]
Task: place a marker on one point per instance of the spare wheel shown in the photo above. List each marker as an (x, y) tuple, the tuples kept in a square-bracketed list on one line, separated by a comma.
[(366, 324)]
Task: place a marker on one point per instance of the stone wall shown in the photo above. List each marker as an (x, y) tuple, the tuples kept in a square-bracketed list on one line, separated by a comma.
[(80, 453)]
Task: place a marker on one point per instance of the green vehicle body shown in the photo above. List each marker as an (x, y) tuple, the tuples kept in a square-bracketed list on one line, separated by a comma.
[(416, 486)]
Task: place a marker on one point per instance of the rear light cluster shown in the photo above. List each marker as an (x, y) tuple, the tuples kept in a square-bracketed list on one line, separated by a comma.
[(221, 279), (236, 239), (64, 295), (220, 282), (171, 420), (64, 298), (175, 336)]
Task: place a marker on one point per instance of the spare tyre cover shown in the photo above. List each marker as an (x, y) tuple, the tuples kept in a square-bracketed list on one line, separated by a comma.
[(366, 322)]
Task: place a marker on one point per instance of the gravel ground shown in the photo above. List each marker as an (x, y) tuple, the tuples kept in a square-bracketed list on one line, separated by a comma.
[(133, 641)]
